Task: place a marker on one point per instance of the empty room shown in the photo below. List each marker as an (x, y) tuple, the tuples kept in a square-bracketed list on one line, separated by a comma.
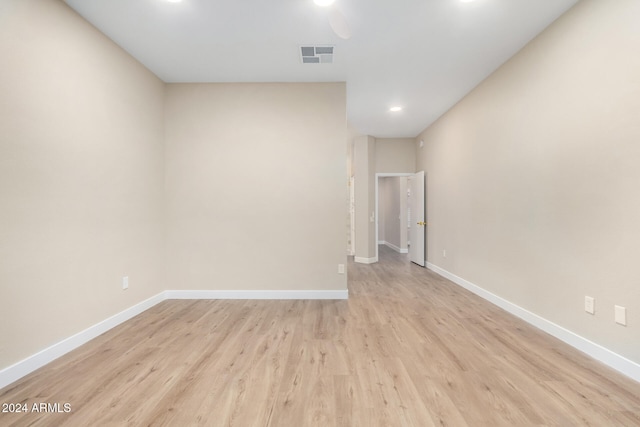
[(319, 213)]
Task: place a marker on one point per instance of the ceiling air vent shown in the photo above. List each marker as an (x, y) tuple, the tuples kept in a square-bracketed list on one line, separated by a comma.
[(316, 54)]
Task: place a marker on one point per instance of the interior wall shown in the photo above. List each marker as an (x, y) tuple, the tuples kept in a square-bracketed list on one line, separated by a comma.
[(395, 155), (400, 213), (256, 186), (364, 157), (392, 219), (352, 134), (404, 212), (392, 208), (533, 177), (81, 177), (384, 197)]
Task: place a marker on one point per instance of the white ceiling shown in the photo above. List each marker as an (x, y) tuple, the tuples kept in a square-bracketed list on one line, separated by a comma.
[(424, 55)]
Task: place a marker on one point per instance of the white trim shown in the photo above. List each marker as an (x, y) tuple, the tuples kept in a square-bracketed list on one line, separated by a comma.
[(18, 370), (396, 248), (598, 352), (251, 294), (363, 260), (382, 242)]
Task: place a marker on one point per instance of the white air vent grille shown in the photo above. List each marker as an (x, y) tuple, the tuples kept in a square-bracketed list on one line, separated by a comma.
[(316, 54)]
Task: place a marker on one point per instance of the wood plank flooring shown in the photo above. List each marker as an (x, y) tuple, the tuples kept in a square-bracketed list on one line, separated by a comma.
[(408, 348)]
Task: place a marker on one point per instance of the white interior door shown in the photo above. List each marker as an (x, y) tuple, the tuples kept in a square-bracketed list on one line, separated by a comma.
[(417, 227)]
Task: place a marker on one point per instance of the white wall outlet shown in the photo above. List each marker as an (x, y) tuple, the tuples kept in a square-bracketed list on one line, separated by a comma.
[(589, 305), (444, 253), (340, 268), (125, 282), (621, 315)]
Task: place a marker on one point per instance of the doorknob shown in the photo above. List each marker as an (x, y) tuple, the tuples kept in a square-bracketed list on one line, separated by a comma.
[(422, 223)]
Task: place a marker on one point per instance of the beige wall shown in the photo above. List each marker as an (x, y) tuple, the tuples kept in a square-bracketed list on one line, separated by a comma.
[(385, 196), (404, 210), (364, 157), (395, 155), (81, 170), (352, 134), (533, 178), (256, 186)]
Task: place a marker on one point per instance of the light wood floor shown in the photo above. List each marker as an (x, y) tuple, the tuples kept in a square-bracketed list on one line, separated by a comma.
[(407, 349)]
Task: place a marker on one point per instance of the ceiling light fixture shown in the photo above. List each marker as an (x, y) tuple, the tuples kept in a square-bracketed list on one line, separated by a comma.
[(324, 3), (395, 109), (174, 1), (466, 1)]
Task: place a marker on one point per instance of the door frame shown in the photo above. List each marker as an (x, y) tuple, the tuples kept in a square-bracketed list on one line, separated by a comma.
[(352, 216), (378, 176)]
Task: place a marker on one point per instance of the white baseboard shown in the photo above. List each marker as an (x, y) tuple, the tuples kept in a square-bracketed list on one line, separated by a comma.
[(598, 352), (249, 294), (363, 260), (397, 249), (18, 370), (382, 242)]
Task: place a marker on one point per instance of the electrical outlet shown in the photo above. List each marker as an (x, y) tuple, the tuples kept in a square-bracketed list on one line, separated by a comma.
[(620, 315), (340, 268), (589, 305), (125, 282), (444, 253)]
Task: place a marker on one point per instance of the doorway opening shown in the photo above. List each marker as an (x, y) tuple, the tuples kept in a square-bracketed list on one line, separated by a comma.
[(400, 214)]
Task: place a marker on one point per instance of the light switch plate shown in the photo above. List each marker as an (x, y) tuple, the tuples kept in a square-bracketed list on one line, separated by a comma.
[(589, 305), (621, 315)]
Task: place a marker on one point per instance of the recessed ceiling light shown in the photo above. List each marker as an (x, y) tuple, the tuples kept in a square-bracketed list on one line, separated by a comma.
[(324, 3), (466, 1), (174, 1), (395, 109)]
